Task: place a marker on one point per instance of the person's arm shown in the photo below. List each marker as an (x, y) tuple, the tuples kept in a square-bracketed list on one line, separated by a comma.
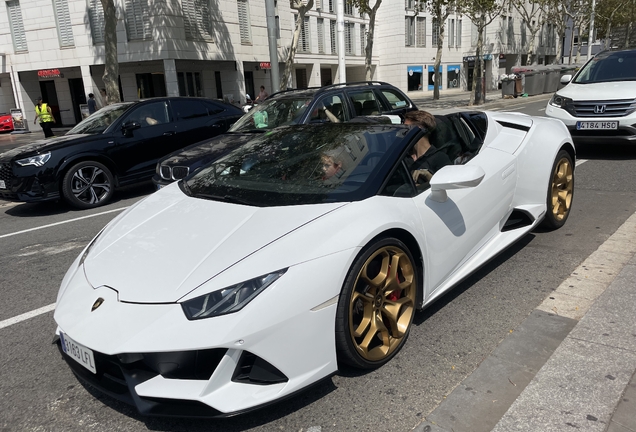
[(48, 108)]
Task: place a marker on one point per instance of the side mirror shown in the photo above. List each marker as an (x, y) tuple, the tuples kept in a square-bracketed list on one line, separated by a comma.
[(454, 177), (130, 126), (566, 79)]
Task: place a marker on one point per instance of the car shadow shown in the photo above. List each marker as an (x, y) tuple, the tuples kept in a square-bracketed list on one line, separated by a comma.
[(259, 417), (58, 207), (605, 151)]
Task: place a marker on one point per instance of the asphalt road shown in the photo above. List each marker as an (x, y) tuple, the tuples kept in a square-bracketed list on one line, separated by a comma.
[(448, 341)]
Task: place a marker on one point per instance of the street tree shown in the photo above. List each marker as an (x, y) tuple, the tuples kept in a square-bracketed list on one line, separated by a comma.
[(439, 10), (481, 13), (111, 64), (560, 14), (610, 13), (364, 6), (301, 7), (530, 11)]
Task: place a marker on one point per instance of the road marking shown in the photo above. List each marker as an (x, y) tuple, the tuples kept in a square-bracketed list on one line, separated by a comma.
[(62, 222), (26, 316), (541, 109), (580, 161)]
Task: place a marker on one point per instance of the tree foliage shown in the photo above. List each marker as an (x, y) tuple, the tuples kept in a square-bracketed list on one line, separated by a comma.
[(530, 12), (364, 6), (301, 10)]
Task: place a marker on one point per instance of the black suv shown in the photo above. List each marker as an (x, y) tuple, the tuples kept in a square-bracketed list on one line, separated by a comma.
[(118, 145), (337, 103)]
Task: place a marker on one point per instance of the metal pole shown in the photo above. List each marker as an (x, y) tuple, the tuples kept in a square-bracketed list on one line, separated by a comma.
[(591, 35), (342, 68), (270, 11)]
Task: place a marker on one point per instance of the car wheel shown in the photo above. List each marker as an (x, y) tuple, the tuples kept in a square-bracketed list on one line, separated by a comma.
[(376, 305), (88, 184), (560, 191)]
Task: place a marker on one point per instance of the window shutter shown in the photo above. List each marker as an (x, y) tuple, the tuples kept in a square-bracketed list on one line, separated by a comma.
[(458, 42), (321, 35), (332, 34), (137, 19), (64, 28), (303, 39), (363, 39), (435, 32), (348, 30), (17, 26), (421, 32), (96, 18), (244, 21)]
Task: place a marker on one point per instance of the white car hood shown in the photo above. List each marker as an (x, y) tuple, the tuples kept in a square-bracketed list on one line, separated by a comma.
[(600, 91), (169, 244)]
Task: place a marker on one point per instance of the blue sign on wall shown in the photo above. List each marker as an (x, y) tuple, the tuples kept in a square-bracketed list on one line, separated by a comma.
[(414, 69), (453, 68), (431, 73)]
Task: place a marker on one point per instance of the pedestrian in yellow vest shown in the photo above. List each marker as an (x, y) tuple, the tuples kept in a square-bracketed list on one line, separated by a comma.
[(45, 116)]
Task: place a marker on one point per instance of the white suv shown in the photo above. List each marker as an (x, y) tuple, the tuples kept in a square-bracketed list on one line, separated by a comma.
[(599, 103)]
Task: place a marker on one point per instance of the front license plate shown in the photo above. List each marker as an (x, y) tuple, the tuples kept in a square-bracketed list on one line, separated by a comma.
[(3, 185), (597, 125), (78, 352)]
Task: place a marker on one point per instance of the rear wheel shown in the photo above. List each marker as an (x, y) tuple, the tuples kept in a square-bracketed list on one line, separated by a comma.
[(560, 191), (87, 185), (376, 305)]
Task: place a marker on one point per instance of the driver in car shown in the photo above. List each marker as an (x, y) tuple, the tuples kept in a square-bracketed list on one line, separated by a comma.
[(426, 158)]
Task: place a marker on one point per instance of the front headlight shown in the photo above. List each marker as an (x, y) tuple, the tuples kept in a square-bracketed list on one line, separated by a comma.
[(228, 300), (559, 101), (38, 160)]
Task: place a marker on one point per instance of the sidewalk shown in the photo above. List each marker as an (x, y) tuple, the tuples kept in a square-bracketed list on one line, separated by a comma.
[(571, 363), (459, 100)]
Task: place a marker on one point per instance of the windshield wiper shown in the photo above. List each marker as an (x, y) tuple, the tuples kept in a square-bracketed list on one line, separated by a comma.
[(225, 198)]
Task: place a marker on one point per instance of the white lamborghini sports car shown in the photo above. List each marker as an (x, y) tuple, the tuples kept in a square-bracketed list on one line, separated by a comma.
[(304, 249)]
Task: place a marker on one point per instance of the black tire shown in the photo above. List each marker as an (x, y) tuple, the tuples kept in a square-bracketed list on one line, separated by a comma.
[(88, 184), (560, 191), (370, 345)]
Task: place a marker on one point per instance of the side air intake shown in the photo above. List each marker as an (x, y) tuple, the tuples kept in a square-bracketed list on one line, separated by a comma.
[(517, 219)]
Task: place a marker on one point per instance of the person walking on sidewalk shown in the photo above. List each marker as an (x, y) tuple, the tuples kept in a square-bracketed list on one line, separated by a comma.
[(92, 103), (45, 115)]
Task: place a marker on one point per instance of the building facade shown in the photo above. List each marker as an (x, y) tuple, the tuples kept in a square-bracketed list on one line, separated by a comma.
[(218, 49)]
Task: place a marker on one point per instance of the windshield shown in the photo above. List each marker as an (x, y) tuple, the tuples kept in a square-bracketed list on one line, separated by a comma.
[(610, 66), (300, 165), (273, 113), (99, 121)]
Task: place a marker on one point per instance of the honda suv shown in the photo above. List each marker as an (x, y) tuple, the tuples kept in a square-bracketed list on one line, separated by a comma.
[(599, 103), (337, 103)]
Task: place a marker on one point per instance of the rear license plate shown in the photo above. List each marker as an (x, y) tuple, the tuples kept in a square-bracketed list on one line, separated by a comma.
[(3, 185), (596, 125), (78, 352)]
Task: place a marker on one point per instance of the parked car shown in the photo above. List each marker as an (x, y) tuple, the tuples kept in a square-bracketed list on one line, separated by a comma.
[(598, 105), (304, 249), (118, 145), (333, 103), (6, 122)]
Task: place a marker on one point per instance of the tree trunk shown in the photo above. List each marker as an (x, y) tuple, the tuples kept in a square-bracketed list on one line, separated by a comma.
[(368, 50), (571, 46), (289, 63), (475, 98), (437, 78), (531, 45), (557, 57), (481, 99), (111, 64)]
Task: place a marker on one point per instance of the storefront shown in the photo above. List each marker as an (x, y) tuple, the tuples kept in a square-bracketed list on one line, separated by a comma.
[(453, 79), (431, 77), (472, 67), (415, 77)]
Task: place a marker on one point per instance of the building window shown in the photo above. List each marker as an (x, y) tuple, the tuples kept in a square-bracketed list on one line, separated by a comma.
[(503, 33), (244, 21), (409, 4), (321, 35), (363, 39), (348, 8), (96, 18), (511, 31), (541, 31), (421, 32), (458, 41), (196, 18), (318, 5), (474, 34), (17, 26), (348, 35), (331, 6), (332, 36), (409, 31), (435, 32), (189, 84), (451, 33), (63, 17), (523, 34), (303, 39), (137, 20)]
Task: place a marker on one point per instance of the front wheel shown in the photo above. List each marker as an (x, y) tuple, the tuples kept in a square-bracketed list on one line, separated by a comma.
[(87, 185), (560, 191), (376, 305)]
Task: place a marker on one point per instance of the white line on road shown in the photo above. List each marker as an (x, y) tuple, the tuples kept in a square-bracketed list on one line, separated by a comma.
[(60, 223), (26, 316), (580, 161)]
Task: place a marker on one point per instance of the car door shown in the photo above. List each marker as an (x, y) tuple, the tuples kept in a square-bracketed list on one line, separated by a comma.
[(457, 228), (146, 135), (194, 122)]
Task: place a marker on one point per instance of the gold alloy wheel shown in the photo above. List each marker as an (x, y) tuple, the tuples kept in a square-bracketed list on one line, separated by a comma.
[(562, 187), (382, 303)]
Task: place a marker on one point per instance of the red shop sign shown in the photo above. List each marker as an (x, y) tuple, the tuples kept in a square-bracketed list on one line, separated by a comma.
[(265, 65), (49, 73)]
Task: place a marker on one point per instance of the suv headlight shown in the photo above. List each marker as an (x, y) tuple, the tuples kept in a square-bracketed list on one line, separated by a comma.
[(37, 160), (230, 299), (559, 101)]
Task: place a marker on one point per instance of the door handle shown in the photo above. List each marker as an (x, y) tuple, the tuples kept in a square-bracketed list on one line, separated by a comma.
[(169, 133)]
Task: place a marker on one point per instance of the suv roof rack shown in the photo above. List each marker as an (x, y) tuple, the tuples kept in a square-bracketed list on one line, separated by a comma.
[(332, 86)]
